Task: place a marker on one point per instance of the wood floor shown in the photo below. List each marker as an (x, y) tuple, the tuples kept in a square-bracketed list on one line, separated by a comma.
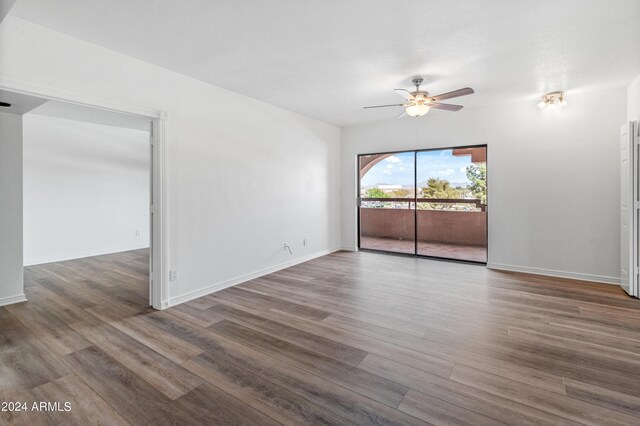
[(349, 338)]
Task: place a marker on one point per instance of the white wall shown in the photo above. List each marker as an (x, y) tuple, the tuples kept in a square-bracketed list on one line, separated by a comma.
[(86, 189), (633, 100), (553, 178), (11, 290), (244, 177)]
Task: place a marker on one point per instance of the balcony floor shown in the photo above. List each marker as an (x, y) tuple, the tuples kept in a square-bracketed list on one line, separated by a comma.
[(449, 251)]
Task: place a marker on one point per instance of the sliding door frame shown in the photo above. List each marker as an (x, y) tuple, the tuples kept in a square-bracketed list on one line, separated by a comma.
[(415, 202)]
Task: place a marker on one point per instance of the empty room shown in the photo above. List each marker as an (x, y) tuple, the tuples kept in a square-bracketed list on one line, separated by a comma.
[(319, 212)]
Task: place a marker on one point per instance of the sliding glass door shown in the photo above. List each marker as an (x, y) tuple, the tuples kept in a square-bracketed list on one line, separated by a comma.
[(387, 202), (427, 203)]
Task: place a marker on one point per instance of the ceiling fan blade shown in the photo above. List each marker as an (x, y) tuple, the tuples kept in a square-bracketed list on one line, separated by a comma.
[(446, 107), (454, 94), (404, 93), (382, 106), (402, 114)]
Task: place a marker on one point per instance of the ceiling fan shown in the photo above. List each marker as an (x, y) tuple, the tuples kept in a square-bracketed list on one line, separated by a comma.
[(419, 102)]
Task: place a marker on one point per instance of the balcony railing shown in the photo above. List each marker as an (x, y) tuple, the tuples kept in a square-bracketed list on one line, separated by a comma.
[(477, 202), (441, 229)]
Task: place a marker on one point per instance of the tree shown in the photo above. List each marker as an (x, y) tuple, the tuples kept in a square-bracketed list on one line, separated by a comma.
[(440, 188), (401, 193), (376, 193), (477, 174)]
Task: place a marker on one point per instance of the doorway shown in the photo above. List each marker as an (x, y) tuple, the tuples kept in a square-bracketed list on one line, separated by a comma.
[(87, 112), (428, 203)]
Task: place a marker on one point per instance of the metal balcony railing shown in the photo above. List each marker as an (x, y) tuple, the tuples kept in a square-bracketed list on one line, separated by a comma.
[(477, 202)]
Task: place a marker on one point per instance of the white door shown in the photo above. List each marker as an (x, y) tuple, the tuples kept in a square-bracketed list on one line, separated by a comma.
[(628, 228)]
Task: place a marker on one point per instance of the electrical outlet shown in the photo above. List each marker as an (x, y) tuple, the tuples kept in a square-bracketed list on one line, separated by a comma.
[(137, 232), (173, 275)]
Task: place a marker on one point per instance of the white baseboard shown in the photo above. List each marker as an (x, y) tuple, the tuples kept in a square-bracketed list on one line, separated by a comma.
[(83, 254), (347, 248), (244, 278), (553, 273), (13, 299)]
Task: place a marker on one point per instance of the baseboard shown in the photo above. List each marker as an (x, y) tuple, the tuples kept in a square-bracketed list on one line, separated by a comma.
[(553, 273), (13, 299), (247, 277), (347, 248), (83, 254)]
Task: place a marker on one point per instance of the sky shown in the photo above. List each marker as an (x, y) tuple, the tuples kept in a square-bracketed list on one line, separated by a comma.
[(398, 169)]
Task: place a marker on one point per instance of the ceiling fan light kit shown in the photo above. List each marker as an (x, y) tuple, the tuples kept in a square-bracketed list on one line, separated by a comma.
[(419, 102), (552, 100), (417, 110)]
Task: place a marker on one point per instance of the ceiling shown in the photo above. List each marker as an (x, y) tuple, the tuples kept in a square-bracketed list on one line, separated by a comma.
[(328, 58)]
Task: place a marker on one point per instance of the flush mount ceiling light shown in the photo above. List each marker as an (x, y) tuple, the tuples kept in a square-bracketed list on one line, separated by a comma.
[(419, 102), (552, 100)]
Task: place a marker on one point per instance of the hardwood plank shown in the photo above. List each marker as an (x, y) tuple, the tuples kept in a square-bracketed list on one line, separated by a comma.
[(419, 360), (566, 407), (331, 396), (554, 361), (204, 302), (348, 404), (496, 407), (181, 329), (276, 402), (86, 407), (437, 411), (51, 329), (370, 385), (202, 318), (209, 405), (594, 310), (8, 320), (603, 397), (157, 339), (276, 303), (602, 327), (134, 325), (624, 359), (449, 347), (125, 295), (337, 304), (131, 397), (27, 417), (604, 340), (313, 342), (166, 376), (114, 312), (44, 299), (25, 362)]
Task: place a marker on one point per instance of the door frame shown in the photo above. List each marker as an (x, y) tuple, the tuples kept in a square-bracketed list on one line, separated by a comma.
[(415, 174), (629, 197), (158, 212)]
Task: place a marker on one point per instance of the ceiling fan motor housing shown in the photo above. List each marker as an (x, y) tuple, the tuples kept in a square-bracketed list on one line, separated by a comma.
[(420, 95)]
